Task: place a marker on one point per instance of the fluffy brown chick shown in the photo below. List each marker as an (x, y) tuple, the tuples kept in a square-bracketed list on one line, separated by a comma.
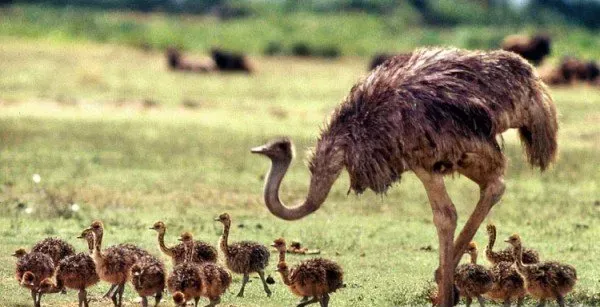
[(316, 278), (508, 284), (113, 264), (244, 257), (215, 279), (185, 281), (544, 280), (529, 255), (56, 248), (472, 279), (203, 252), (148, 279), (75, 272), (31, 269)]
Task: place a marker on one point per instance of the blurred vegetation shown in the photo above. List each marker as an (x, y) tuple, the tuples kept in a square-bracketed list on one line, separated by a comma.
[(316, 28), (435, 12)]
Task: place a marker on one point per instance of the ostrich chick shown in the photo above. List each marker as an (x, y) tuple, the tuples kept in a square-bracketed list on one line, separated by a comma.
[(508, 284), (148, 278), (544, 280), (529, 255), (75, 272), (185, 282), (315, 278), (113, 264), (56, 248), (472, 279), (31, 269), (203, 252), (244, 257), (215, 280)]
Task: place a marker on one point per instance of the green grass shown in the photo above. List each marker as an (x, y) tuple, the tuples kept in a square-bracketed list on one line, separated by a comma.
[(74, 114), (355, 34)]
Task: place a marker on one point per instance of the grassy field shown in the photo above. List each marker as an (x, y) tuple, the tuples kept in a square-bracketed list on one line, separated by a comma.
[(106, 128)]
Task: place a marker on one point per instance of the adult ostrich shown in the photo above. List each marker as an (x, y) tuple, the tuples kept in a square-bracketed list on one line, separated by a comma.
[(436, 113)]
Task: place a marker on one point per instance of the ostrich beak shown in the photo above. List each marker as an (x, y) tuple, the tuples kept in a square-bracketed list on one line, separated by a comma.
[(151, 228), (14, 254), (507, 241), (216, 219), (79, 237), (259, 150), (273, 245)]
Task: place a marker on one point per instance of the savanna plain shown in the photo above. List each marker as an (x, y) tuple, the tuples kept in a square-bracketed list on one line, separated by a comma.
[(114, 135)]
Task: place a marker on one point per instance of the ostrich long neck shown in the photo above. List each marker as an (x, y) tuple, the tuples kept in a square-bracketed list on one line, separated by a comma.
[(224, 238), (97, 254), (321, 181), (161, 244), (285, 276), (491, 241), (473, 257), (89, 238), (188, 248), (282, 255), (518, 255)]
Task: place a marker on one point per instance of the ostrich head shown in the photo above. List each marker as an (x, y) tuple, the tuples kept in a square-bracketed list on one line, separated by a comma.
[(87, 235), (514, 240), (179, 299), (186, 237), (28, 279), (19, 253), (279, 244), (47, 286), (160, 227), (280, 150), (224, 218), (136, 269), (97, 228)]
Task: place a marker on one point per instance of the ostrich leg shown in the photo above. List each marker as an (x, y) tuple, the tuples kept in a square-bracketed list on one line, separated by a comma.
[(444, 218), (488, 174)]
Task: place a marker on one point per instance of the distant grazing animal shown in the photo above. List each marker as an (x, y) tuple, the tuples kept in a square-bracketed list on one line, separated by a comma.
[(316, 277), (570, 71), (435, 114), (229, 61), (177, 61), (508, 284), (574, 69), (529, 255), (31, 269), (472, 279), (148, 279), (75, 272), (56, 248), (244, 257), (203, 252), (113, 264), (533, 48), (544, 280), (380, 58)]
